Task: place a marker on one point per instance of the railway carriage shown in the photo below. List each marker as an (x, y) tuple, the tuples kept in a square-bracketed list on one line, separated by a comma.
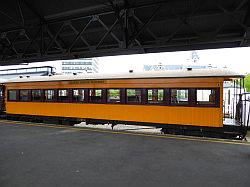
[(185, 101)]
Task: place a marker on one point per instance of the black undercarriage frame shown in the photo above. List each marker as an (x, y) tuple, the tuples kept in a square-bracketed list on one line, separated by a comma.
[(227, 131)]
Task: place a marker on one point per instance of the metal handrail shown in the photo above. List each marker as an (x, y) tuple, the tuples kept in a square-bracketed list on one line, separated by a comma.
[(245, 118)]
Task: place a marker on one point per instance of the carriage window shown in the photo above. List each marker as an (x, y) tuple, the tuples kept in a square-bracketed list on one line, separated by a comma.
[(95, 95), (133, 95), (24, 95), (155, 95), (63, 95), (12, 95), (179, 96), (36, 95), (206, 97), (114, 95), (78, 95), (49, 95)]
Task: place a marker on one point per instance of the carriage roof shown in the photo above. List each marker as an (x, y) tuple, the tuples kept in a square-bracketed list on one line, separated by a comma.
[(191, 73), (2, 81)]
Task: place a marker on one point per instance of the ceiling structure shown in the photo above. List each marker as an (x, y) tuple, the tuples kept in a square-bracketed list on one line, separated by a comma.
[(41, 30)]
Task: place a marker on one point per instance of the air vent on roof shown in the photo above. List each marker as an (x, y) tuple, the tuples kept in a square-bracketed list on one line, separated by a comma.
[(131, 71), (20, 77), (189, 69), (28, 76), (74, 73)]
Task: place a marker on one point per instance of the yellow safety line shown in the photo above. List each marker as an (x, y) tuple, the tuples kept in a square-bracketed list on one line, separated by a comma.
[(176, 137)]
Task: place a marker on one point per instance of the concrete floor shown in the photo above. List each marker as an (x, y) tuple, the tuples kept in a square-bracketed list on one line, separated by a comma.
[(40, 155)]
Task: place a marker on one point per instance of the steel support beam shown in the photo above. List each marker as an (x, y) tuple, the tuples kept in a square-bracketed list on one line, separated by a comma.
[(121, 27), (79, 35)]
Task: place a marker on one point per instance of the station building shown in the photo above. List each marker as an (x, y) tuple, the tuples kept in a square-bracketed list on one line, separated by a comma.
[(26, 72), (85, 65), (162, 67)]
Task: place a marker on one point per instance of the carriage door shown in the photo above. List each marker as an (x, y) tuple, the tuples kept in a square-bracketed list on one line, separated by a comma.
[(2, 97)]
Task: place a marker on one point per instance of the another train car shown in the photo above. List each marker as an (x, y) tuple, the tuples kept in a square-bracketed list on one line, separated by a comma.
[(2, 96), (173, 100)]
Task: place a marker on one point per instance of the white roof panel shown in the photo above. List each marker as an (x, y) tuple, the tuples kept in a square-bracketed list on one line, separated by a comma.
[(2, 81), (164, 74)]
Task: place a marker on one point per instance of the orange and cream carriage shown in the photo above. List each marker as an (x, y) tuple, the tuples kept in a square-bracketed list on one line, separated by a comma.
[(178, 101)]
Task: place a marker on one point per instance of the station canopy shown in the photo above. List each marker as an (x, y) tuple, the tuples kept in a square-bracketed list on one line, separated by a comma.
[(41, 30)]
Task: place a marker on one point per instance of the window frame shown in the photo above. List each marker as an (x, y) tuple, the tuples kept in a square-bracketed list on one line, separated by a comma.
[(84, 96), (17, 95), (143, 97), (164, 101), (58, 97), (55, 96), (103, 95), (29, 95), (217, 97), (121, 96), (42, 93), (189, 102)]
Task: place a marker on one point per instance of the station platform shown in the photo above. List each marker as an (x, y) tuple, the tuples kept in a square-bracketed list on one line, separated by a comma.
[(35, 154)]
